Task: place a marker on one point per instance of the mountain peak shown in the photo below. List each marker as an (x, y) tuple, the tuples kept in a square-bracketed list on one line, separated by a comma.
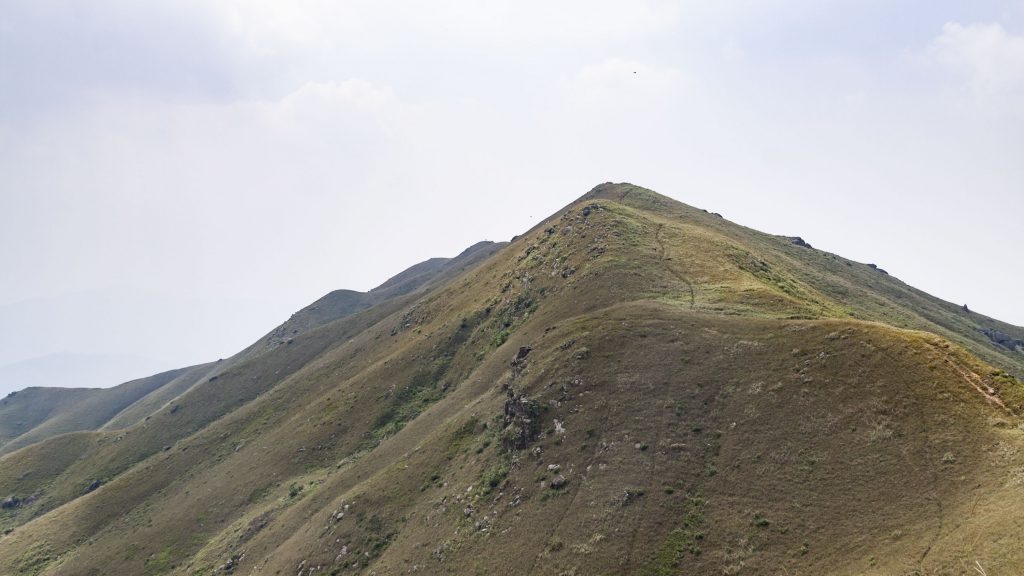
[(633, 386)]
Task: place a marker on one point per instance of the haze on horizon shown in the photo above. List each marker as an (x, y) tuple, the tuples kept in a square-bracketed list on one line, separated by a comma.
[(176, 178)]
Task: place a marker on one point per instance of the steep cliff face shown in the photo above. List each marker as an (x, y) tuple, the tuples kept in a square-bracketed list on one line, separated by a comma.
[(633, 386)]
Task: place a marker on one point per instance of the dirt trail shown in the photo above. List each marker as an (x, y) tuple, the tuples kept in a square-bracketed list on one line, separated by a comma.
[(990, 395), (974, 380)]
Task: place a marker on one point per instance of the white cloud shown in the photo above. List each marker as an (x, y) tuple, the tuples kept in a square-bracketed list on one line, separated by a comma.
[(489, 22), (988, 60)]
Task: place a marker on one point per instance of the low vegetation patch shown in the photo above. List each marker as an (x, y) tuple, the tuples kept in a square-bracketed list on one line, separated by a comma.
[(682, 541)]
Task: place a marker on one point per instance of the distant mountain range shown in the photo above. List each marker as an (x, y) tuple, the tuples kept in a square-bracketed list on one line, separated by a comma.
[(633, 386)]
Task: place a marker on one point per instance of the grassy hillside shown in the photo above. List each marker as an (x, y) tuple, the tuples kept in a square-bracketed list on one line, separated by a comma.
[(341, 303), (814, 277), (634, 386), (201, 395), (36, 414), (155, 400), (23, 410)]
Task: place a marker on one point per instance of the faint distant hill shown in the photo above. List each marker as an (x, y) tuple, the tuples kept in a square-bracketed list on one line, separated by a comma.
[(176, 329), (75, 370)]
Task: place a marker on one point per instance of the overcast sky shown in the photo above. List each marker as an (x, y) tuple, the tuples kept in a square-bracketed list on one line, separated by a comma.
[(177, 177)]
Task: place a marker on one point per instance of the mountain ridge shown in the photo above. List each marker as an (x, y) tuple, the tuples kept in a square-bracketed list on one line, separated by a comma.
[(335, 305), (632, 386)]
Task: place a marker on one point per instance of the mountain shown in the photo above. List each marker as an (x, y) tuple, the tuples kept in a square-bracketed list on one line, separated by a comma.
[(633, 386)]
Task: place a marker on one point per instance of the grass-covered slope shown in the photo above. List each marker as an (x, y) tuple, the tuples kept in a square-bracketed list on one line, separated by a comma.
[(23, 410), (152, 402), (199, 396), (632, 387), (36, 414), (341, 303), (813, 283)]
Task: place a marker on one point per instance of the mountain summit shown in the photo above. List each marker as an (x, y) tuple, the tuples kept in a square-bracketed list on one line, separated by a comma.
[(634, 386)]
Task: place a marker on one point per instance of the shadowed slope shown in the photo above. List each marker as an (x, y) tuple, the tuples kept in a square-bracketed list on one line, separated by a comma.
[(57, 411), (24, 410)]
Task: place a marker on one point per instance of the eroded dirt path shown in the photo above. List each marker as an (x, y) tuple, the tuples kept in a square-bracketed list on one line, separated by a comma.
[(975, 381)]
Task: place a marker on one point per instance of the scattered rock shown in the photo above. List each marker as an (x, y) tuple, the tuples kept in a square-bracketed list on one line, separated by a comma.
[(174, 408), (232, 562), (95, 484), (255, 525), (524, 351), (558, 482), (10, 502), (1004, 340), (522, 421), (798, 241), (877, 269)]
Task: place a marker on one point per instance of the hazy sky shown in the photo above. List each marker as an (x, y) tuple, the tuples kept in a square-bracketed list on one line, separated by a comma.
[(177, 177)]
